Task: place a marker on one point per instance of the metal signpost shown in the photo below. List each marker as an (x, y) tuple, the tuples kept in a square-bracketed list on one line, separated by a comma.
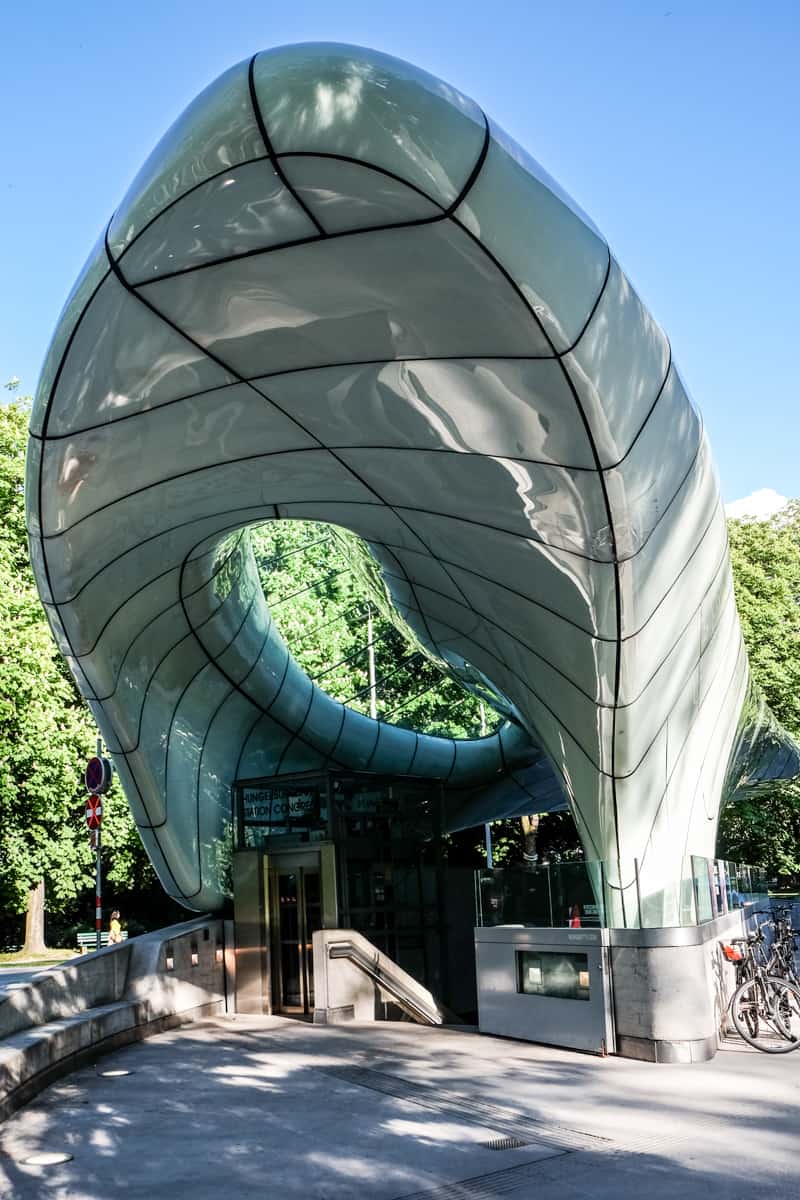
[(98, 780)]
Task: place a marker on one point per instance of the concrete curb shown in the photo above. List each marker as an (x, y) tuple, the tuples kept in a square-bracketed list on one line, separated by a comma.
[(73, 1014)]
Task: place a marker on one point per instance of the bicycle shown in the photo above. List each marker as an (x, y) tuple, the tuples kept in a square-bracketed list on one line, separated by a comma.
[(765, 1007)]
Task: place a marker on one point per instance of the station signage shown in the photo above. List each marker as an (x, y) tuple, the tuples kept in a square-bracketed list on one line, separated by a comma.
[(279, 806)]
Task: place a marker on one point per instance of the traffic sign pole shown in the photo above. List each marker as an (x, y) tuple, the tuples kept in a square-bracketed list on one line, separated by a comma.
[(98, 780), (98, 896)]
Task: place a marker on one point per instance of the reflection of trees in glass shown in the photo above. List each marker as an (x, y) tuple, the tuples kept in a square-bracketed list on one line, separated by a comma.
[(322, 609)]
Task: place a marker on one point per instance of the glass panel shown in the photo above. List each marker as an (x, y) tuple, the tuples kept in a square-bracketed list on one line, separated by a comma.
[(216, 131), (93, 271), (618, 367), (373, 522), (363, 104), (239, 211), (560, 507), (179, 668), (144, 655), (575, 588), (257, 482), (519, 408), (124, 359), (648, 576), (105, 655), (678, 632), (33, 463), (345, 305), (395, 750), (643, 486), (539, 235), (261, 753), (345, 195), (547, 973)]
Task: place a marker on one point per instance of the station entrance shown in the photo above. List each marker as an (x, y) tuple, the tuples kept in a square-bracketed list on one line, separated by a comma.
[(347, 851)]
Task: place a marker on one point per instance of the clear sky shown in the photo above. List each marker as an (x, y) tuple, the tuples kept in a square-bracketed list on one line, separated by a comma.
[(674, 123)]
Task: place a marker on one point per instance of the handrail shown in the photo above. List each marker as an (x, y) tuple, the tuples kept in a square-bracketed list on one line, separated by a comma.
[(406, 991)]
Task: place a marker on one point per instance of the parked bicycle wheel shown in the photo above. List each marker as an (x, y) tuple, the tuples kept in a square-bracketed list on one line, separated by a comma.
[(766, 1013)]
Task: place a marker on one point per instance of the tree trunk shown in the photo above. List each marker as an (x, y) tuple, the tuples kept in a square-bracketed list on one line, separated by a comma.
[(530, 830), (34, 921)]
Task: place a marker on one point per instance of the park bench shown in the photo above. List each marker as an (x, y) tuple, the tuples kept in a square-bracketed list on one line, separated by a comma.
[(87, 939)]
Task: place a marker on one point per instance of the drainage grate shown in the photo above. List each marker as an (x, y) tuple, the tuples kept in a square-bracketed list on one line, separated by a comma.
[(505, 1143), (504, 1120)]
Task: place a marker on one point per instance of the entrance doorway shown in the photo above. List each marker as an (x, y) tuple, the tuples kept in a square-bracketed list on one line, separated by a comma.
[(295, 915)]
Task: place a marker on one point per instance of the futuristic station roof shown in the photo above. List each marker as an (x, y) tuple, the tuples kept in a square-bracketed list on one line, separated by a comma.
[(337, 291)]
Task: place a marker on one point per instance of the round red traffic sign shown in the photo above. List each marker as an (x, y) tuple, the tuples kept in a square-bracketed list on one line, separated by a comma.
[(98, 775), (94, 811)]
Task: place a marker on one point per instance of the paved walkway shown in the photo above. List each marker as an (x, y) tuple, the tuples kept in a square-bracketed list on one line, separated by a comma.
[(246, 1107)]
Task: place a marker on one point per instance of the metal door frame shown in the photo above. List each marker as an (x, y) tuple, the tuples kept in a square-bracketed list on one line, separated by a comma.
[(321, 859)]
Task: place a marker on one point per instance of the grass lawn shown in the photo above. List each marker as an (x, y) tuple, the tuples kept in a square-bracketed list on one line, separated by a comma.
[(48, 959)]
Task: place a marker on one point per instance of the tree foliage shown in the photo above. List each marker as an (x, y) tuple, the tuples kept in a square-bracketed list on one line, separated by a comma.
[(46, 731), (320, 607), (765, 555)]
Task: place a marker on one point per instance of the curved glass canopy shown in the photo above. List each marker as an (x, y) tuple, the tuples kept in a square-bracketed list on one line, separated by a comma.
[(337, 292)]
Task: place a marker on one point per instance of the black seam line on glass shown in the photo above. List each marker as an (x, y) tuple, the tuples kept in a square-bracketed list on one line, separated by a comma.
[(139, 412), (484, 617), (289, 244), (597, 637), (48, 410), (291, 741), (246, 162), (475, 172), (392, 506), (522, 681), (132, 749), (144, 586), (209, 354), (172, 606), (259, 717), (665, 722), (262, 129), (267, 711), (121, 279), (606, 500), (230, 462), (709, 743), (576, 340), (474, 359), (207, 664), (198, 772), (162, 534), (365, 166), (322, 234)]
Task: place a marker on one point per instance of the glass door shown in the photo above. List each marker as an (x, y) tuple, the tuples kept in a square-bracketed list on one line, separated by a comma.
[(297, 915)]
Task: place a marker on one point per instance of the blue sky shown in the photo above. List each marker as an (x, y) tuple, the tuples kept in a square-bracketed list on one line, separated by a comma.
[(673, 123)]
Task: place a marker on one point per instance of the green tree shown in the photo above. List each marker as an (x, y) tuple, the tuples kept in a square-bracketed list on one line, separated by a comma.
[(46, 733), (765, 555)]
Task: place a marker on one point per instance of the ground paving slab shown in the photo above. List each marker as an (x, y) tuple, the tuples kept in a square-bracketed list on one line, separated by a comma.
[(248, 1106)]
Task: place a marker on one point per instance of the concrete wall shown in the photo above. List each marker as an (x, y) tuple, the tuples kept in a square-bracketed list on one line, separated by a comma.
[(68, 1015), (347, 991), (671, 989)]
